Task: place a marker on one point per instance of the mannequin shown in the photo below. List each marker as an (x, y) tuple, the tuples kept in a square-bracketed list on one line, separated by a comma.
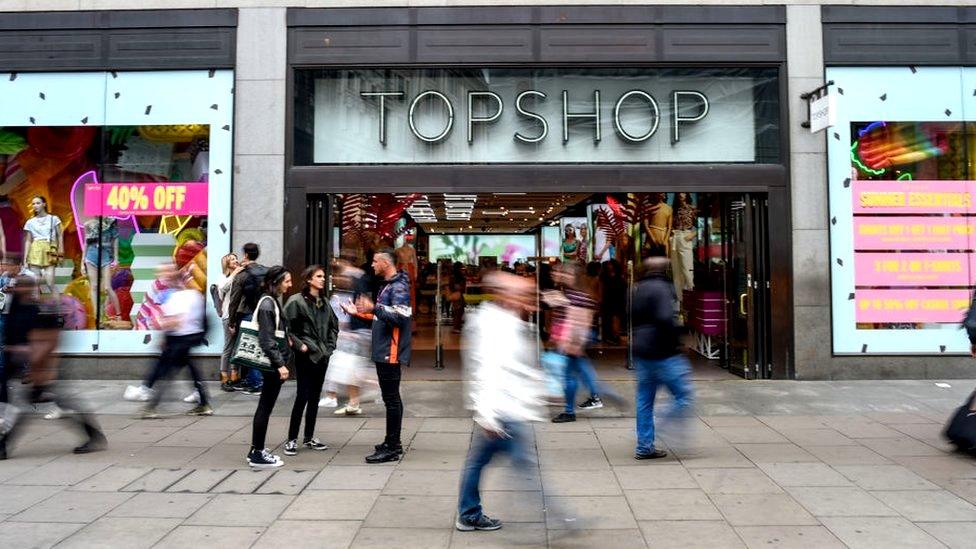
[(683, 243), (43, 242), (570, 246), (101, 257), (657, 225), (583, 251)]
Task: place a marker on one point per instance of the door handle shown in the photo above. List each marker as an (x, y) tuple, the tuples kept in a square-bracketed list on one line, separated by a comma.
[(742, 303)]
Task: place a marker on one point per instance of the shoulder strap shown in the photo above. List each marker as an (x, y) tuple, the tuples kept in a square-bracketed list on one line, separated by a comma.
[(274, 303)]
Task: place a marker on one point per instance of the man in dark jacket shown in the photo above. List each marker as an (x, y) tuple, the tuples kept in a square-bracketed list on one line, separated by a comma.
[(657, 353), (243, 296), (391, 346)]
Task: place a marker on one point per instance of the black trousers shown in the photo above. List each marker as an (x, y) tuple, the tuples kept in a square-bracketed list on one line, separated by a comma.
[(311, 376), (269, 395), (175, 355), (389, 378)]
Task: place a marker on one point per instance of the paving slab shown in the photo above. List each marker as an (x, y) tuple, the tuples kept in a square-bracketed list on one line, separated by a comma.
[(244, 481), (589, 513), (449, 442), (884, 477), (692, 534), (144, 432), (246, 510), (817, 437), (58, 473), (384, 538), (880, 532), (36, 535), (585, 459), (580, 483), (73, 507), (839, 501), (957, 535), (653, 476), (735, 481), (788, 537), (749, 434), (928, 505), (162, 456), (309, 534), (221, 456), (936, 468), (412, 512), (447, 425), (732, 421), (287, 482), (710, 458), (864, 429), (14, 499), (775, 453), (762, 510), (121, 532), (112, 479), (582, 539), (511, 507), (898, 447), (332, 505), (512, 534), (552, 440), (423, 483), (212, 537), (161, 505), (200, 481), (426, 459), (510, 478), (804, 474), (351, 477), (157, 480), (847, 455), (671, 505)]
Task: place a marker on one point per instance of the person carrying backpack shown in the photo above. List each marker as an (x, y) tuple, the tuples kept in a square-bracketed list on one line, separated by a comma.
[(244, 294)]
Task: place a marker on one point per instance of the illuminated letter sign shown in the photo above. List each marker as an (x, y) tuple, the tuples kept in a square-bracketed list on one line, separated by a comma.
[(382, 96), (595, 115), (654, 111), (677, 119), (491, 118), (542, 121), (450, 116)]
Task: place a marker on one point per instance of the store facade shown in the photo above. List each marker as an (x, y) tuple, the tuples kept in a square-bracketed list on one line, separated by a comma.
[(471, 102), (120, 124)]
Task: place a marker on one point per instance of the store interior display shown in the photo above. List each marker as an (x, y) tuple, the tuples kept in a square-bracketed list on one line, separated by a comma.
[(93, 211)]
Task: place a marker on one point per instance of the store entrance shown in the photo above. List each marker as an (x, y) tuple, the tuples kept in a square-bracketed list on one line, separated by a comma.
[(446, 242)]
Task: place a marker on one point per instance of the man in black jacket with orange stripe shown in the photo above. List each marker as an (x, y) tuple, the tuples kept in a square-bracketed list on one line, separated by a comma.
[(391, 316)]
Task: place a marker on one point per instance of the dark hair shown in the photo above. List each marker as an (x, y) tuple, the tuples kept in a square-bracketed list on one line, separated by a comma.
[(271, 280), (251, 251), (307, 275)]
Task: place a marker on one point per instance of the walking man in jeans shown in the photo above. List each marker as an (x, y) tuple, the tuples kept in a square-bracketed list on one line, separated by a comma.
[(391, 315), (657, 352), (502, 385)]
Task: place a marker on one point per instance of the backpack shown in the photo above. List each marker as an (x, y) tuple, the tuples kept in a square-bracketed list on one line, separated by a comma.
[(251, 289)]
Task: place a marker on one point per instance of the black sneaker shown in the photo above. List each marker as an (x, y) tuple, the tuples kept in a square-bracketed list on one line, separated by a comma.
[(251, 390), (316, 444), (263, 459), (291, 447), (382, 446), (383, 455), (564, 417), (653, 454), (96, 443), (483, 523), (227, 387), (591, 403)]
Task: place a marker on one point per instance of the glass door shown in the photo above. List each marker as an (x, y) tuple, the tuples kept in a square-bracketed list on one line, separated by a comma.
[(745, 247)]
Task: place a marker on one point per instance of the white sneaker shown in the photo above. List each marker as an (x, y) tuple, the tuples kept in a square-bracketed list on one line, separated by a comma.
[(55, 413), (138, 394), (193, 398), (328, 402)]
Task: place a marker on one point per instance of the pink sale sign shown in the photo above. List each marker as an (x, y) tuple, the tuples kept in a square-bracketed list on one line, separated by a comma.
[(914, 233), (908, 197), (913, 269), (123, 199), (911, 306)]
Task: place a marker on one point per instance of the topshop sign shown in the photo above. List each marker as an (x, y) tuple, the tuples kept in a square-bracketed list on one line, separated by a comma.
[(459, 116)]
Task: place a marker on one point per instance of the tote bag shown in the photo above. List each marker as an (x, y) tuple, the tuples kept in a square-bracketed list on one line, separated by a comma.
[(247, 349)]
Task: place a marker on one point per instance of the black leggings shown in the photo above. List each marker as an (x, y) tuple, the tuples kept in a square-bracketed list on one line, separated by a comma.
[(311, 376), (389, 378), (269, 395), (175, 355)]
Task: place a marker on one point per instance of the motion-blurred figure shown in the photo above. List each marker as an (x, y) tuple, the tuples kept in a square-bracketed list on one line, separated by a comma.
[(184, 327), (503, 387), (658, 354), (350, 367), (31, 334)]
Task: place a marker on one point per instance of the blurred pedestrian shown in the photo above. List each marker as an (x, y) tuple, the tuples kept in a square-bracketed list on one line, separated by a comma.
[(350, 366), (184, 327), (314, 329), (244, 293), (271, 322), (391, 346), (657, 353), (503, 387), (572, 333), (31, 333)]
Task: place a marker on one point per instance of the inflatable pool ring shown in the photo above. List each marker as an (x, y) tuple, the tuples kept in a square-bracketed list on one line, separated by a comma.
[(74, 313), (61, 142), (185, 253), (122, 279), (80, 289), (186, 235), (125, 302), (126, 255), (196, 267)]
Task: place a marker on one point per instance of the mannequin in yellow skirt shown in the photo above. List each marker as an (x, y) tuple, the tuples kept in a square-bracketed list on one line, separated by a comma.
[(43, 243)]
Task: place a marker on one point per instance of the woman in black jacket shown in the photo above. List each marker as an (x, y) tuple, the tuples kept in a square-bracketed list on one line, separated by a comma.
[(270, 319), (314, 329)]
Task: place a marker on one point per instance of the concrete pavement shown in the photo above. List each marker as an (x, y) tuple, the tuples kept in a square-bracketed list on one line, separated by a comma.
[(771, 464)]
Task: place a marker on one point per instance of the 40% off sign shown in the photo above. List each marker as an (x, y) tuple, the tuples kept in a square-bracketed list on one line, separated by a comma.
[(123, 199)]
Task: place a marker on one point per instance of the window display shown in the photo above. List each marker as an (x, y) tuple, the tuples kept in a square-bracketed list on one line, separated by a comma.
[(902, 186), (106, 176)]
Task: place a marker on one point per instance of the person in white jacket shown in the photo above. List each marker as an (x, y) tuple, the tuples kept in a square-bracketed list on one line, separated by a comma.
[(503, 386)]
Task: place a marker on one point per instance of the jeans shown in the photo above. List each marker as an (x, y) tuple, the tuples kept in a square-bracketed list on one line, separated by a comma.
[(175, 355), (674, 373), (229, 341), (311, 376), (483, 447), (578, 366), (253, 377), (259, 428), (389, 378)]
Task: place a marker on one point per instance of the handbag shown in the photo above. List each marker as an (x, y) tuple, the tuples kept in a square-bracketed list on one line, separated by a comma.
[(247, 348), (554, 365)]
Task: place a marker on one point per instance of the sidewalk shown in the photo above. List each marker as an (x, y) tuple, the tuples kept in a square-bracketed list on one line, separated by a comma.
[(772, 464)]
